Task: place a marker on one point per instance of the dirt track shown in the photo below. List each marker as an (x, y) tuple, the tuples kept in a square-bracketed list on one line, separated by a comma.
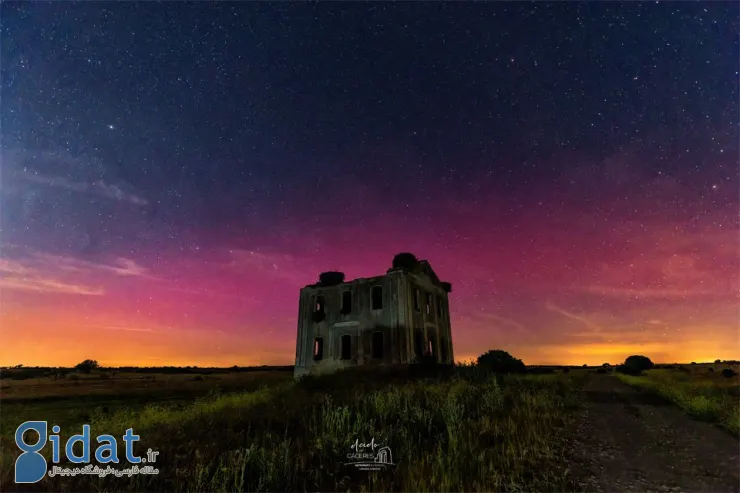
[(630, 442)]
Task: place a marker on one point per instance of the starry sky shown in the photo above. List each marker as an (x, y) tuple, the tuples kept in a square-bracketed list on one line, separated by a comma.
[(173, 173)]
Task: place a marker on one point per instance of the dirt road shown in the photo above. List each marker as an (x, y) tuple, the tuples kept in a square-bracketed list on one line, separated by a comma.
[(630, 442)]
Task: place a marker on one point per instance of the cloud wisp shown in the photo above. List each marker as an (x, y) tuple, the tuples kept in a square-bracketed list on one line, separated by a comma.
[(97, 187), (48, 273)]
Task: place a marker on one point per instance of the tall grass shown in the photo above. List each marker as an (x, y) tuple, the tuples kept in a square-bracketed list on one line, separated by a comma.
[(462, 432), (710, 398)]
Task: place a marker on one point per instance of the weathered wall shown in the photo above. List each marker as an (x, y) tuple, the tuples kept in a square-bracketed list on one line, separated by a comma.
[(433, 326)]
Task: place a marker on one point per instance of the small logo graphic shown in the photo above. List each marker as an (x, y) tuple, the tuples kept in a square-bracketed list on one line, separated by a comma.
[(363, 455), (31, 466)]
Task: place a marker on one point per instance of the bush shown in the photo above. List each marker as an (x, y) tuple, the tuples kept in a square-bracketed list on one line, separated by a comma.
[(87, 366), (710, 369), (639, 363), (405, 261), (566, 370), (500, 361), (729, 373), (601, 370), (331, 278)]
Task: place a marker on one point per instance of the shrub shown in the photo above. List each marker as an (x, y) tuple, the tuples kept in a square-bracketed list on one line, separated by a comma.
[(717, 361), (639, 362), (566, 370), (710, 369), (87, 366), (500, 361), (729, 373), (405, 260), (331, 278), (601, 370)]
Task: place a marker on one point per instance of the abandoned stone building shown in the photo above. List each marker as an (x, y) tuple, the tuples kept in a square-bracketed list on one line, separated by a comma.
[(396, 318)]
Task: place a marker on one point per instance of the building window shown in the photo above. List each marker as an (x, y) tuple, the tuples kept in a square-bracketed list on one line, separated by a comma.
[(318, 348), (417, 306), (430, 348), (377, 298), (346, 346), (319, 309), (439, 308), (418, 343), (377, 345), (429, 305), (443, 349), (346, 303)]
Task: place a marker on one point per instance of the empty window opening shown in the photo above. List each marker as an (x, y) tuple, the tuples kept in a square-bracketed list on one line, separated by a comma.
[(377, 345), (319, 309), (319, 305), (443, 349), (416, 300), (318, 348), (418, 343), (346, 302), (377, 298), (439, 307), (431, 348), (346, 346), (429, 304)]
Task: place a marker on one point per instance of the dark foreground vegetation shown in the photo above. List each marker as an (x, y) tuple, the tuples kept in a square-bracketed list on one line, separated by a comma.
[(706, 392), (460, 428), (495, 425)]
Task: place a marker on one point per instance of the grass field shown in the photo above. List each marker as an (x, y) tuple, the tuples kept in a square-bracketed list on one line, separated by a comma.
[(700, 390), (463, 431)]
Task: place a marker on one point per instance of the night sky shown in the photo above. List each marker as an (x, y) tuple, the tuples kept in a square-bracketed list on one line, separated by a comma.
[(173, 174)]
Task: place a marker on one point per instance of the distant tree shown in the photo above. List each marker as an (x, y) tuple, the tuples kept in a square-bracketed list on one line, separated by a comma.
[(585, 365), (87, 366), (500, 361), (717, 361), (693, 362), (606, 365), (729, 373), (639, 362)]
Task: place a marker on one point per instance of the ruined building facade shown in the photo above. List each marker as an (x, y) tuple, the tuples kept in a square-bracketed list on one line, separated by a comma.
[(397, 318)]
